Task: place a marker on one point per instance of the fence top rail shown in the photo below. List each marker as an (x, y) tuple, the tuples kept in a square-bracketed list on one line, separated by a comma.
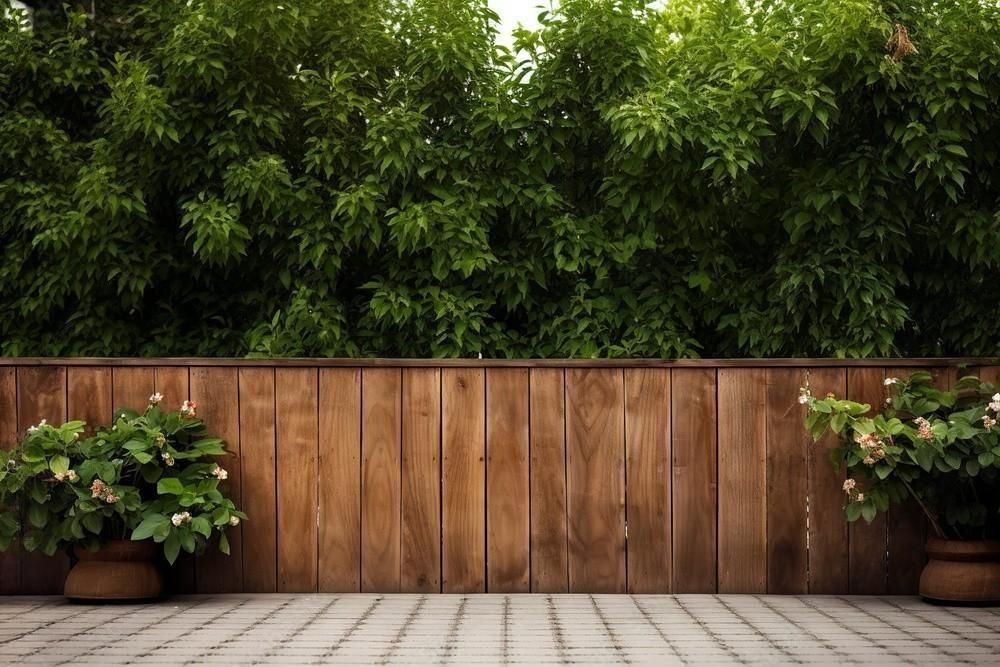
[(961, 362)]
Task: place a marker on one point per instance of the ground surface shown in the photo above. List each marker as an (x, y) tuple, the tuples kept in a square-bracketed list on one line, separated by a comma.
[(497, 629)]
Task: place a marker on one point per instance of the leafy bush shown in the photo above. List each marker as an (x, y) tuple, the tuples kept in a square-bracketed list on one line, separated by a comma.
[(335, 177), (147, 475), (940, 447)]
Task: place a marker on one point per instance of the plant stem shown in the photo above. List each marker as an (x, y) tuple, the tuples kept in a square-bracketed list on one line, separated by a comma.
[(927, 512)]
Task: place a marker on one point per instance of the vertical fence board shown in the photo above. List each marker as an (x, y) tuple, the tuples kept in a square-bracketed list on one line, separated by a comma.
[(88, 396), (906, 521), (868, 540), (340, 480), (173, 382), (595, 447), (989, 374), (549, 565), (215, 391), (297, 449), (420, 546), (41, 394), (380, 479), (132, 387), (694, 505), (829, 559), (647, 467), (508, 517), (463, 486), (742, 480), (257, 450), (787, 486), (10, 567)]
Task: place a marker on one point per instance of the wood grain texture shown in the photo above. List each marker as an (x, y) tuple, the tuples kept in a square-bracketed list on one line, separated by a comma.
[(41, 394), (787, 483), (829, 558), (297, 449), (340, 480), (463, 485), (420, 547), (508, 516), (380, 479), (906, 529), (742, 480), (132, 387), (647, 469), (595, 448), (259, 479), (549, 559), (10, 560), (376, 362), (695, 502), (88, 396), (173, 382), (868, 540), (216, 393)]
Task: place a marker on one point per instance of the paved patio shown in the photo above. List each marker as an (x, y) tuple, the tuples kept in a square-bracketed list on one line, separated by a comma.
[(497, 629)]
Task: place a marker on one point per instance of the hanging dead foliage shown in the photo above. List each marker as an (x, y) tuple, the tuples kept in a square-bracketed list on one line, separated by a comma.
[(899, 45)]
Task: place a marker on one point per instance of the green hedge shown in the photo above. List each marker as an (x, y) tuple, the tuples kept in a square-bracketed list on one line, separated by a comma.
[(358, 177)]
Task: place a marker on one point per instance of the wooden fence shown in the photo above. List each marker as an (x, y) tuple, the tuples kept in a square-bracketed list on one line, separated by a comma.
[(467, 476)]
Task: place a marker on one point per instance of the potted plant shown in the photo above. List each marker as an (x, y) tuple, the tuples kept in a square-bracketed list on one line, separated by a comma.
[(114, 499), (941, 448)]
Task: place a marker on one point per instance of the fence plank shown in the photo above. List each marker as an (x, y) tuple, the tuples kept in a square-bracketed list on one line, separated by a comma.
[(257, 450), (742, 480), (297, 450), (906, 530), (380, 479), (508, 517), (463, 486), (216, 393), (595, 448), (88, 396), (868, 540), (10, 560), (340, 480), (787, 487), (829, 558), (420, 546), (647, 467), (41, 394), (693, 409), (547, 472), (173, 382), (132, 387)]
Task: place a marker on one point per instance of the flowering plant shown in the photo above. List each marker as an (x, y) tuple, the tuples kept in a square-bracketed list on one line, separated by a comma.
[(941, 448), (145, 476)]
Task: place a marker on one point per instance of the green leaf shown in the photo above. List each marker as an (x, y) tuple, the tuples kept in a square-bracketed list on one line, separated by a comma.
[(170, 485), (59, 464), (171, 547)]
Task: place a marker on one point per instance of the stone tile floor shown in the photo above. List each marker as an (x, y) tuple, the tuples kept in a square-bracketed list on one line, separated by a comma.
[(498, 629)]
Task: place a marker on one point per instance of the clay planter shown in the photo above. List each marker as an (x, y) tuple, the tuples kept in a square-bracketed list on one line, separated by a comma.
[(121, 570), (962, 571)]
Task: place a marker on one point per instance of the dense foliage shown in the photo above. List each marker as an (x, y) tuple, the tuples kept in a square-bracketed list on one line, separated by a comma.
[(147, 475), (379, 177), (939, 447)]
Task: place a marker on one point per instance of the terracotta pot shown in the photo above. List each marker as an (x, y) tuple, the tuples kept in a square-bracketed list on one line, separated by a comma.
[(120, 570), (962, 571)]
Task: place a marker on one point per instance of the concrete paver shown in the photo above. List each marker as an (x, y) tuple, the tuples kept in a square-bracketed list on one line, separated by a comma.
[(498, 629)]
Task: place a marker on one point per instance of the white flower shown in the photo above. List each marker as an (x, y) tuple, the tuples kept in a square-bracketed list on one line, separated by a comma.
[(167, 458), (220, 473), (234, 521), (179, 518), (888, 401), (860, 497), (849, 485), (155, 398), (890, 381), (188, 408)]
